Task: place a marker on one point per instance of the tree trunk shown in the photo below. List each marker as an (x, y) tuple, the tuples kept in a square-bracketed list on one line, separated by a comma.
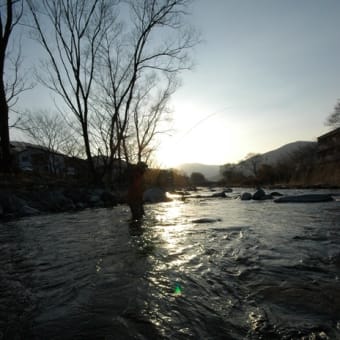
[(92, 169), (5, 155)]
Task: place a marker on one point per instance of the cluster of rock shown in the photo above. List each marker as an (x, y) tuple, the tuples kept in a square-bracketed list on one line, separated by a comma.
[(27, 203), (219, 194), (308, 198), (155, 195), (259, 195)]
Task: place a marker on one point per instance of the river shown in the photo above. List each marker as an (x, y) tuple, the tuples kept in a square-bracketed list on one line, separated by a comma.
[(261, 270)]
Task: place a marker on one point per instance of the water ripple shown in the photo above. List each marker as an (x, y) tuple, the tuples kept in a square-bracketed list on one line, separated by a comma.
[(247, 271)]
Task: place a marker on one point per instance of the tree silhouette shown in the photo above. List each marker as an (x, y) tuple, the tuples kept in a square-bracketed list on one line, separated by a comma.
[(333, 120), (10, 14)]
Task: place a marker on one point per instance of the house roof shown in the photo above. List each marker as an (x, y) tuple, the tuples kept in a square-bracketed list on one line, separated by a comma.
[(330, 133), (19, 147), (101, 160), (23, 146)]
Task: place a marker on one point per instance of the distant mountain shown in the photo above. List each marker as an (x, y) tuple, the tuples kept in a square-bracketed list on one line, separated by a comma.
[(279, 154), (273, 157), (210, 172)]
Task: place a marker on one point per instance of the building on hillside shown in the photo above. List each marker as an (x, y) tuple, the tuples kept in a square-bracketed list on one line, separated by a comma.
[(76, 167), (38, 159), (118, 167), (329, 146)]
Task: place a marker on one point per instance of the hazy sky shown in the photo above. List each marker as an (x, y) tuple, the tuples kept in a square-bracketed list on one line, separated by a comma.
[(267, 74)]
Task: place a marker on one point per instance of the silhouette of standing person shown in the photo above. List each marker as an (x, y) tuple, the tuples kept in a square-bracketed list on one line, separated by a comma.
[(135, 191)]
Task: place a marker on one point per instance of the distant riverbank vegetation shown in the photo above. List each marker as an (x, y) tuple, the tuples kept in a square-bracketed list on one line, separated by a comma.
[(26, 193), (302, 168)]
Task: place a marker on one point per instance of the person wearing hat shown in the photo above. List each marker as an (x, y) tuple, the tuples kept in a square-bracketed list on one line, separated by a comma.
[(135, 191)]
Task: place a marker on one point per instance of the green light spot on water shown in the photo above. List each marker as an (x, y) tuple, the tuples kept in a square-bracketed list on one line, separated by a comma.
[(178, 290)]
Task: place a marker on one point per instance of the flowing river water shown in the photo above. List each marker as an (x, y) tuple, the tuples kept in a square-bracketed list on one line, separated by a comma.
[(261, 270)]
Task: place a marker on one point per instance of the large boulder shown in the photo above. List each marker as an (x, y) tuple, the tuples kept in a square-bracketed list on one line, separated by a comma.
[(259, 195), (219, 195), (309, 198), (76, 195), (26, 210), (108, 198), (246, 196), (94, 199), (275, 194), (59, 202), (155, 195), (11, 203), (48, 200)]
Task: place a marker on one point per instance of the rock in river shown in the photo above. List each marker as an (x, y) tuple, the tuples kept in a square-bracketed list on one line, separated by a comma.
[(311, 198), (219, 195), (259, 195), (26, 210), (206, 220), (155, 195), (246, 196)]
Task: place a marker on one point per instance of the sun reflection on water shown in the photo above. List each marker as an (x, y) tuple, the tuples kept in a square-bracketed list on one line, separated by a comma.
[(170, 211), (171, 223), (171, 226)]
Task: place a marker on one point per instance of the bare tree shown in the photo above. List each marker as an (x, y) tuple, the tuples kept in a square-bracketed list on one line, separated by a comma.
[(154, 45), (71, 33), (252, 163), (100, 66), (51, 131), (150, 109), (333, 119), (11, 12)]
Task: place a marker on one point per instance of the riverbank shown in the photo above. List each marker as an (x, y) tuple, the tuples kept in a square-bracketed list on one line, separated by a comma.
[(23, 202), (25, 195), (22, 196)]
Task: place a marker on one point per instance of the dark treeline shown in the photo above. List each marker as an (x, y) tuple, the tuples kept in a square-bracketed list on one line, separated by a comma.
[(298, 168), (301, 168)]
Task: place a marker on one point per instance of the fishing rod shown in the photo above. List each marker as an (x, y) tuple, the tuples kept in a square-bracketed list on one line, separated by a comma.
[(202, 121)]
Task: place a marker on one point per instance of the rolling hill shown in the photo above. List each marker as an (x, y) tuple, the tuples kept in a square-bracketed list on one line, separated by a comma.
[(212, 172)]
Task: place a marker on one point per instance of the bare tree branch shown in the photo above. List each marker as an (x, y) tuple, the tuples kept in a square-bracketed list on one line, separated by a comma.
[(333, 120), (72, 38), (130, 61)]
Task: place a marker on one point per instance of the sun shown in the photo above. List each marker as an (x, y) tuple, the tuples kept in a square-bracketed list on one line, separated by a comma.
[(212, 143), (202, 135), (168, 155)]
